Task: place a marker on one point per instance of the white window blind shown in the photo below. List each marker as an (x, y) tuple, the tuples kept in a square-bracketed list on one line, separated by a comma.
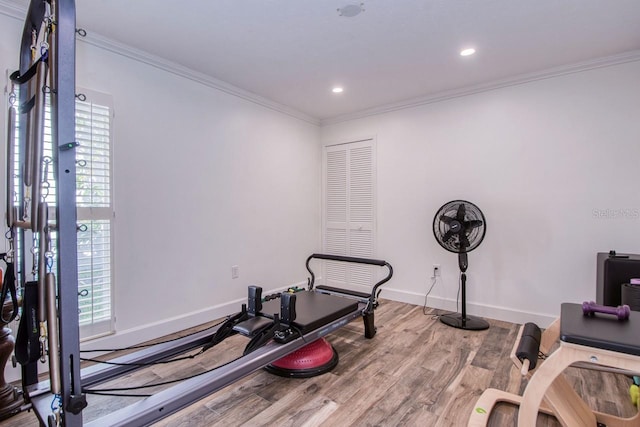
[(349, 212), (95, 216), (94, 209)]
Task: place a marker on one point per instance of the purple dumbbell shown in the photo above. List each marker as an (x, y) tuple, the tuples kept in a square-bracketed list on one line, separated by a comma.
[(622, 311)]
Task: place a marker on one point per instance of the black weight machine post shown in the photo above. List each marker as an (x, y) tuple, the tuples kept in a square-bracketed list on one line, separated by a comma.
[(64, 144), (62, 92), (371, 299), (462, 321)]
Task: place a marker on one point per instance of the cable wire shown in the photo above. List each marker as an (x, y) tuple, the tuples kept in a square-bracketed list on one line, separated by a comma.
[(157, 362), (93, 391), (433, 283), (458, 295), (221, 334), (97, 393), (224, 332), (133, 347), (437, 316)]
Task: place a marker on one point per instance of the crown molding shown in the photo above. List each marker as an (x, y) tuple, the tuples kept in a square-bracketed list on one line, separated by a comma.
[(608, 61), (13, 11), (187, 73)]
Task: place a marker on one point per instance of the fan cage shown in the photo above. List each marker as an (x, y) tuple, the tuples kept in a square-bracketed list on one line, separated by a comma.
[(474, 235)]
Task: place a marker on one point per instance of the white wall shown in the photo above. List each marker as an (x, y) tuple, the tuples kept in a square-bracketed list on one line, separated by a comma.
[(203, 180), (542, 160)]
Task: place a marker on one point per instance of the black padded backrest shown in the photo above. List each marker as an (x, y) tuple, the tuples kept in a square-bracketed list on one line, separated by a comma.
[(612, 273)]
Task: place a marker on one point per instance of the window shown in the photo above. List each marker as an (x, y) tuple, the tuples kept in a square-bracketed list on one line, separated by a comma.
[(94, 209), (95, 215)]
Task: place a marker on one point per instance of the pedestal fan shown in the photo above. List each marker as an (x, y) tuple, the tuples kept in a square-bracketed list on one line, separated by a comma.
[(459, 226)]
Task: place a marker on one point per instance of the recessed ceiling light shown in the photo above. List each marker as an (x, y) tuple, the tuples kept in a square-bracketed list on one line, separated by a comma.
[(337, 90), (351, 10), (467, 52)]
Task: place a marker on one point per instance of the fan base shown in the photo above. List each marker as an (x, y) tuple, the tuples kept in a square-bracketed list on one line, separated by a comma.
[(470, 323)]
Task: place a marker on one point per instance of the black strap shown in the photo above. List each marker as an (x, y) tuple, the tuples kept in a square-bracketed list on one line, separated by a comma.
[(9, 287), (263, 336), (226, 329), (28, 75), (27, 339)]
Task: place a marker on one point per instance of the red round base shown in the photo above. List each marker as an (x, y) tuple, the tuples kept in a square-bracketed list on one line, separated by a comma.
[(313, 359)]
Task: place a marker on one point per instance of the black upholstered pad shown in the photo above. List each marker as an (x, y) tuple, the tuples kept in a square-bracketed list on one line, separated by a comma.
[(313, 309), (252, 325), (600, 331)]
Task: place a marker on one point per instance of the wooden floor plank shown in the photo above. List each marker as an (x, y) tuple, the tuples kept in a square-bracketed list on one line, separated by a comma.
[(357, 409), (415, 372)]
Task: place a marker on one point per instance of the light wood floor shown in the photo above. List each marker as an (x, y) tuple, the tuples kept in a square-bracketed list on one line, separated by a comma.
[(415, 372)]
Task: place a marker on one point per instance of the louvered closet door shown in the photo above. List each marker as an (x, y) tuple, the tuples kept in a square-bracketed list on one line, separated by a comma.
[(349, 212)]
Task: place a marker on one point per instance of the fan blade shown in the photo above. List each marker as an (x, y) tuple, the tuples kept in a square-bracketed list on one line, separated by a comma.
[(446, 219), (474, 223), (447, 236), (464, 242), (461, 212)]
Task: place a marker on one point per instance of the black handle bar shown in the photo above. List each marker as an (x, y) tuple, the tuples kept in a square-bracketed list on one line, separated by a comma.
[(378, 262)]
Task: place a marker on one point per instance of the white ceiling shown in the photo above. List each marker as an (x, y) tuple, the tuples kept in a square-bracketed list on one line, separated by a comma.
[(294, 51)]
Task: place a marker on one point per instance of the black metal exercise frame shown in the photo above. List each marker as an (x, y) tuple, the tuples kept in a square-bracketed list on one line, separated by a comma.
[(172, 399), (177, 397), (63, 135), (373, 297), (370, 299), (186, 392)]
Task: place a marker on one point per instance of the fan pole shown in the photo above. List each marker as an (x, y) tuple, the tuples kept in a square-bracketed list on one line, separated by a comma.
[(462, 321)]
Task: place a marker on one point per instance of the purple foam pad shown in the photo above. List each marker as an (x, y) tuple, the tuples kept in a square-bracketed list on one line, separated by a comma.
[(635, 282)]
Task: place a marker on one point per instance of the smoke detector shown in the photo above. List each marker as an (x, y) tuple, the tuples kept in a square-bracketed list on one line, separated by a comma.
[(351, 10)]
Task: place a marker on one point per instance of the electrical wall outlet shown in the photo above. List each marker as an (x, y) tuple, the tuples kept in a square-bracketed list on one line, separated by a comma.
[(436, 270), (235, 271)]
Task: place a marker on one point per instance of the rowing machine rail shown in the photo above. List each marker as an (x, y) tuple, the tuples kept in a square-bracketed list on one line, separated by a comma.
[(185, 393)]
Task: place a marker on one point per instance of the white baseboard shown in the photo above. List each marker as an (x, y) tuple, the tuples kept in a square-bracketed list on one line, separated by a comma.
[(482, 310)]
